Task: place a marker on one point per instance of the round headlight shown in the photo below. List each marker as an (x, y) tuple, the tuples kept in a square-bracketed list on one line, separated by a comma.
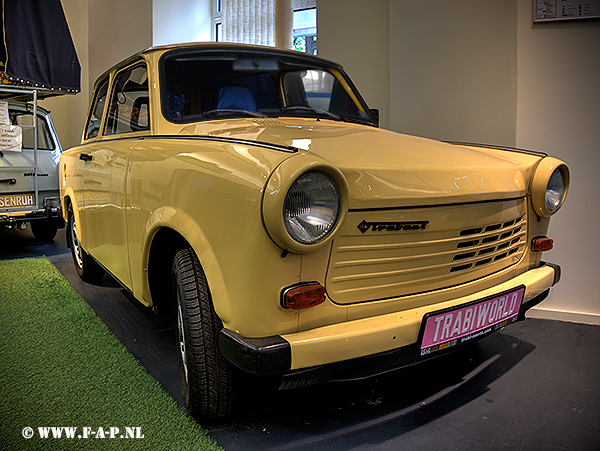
[(555, 192), (311, 208), (549, 186)]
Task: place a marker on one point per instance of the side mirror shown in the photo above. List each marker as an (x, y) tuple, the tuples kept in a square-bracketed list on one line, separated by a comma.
[(375, 114)]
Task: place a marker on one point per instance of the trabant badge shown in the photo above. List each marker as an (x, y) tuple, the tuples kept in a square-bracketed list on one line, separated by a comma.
[(364, 226)]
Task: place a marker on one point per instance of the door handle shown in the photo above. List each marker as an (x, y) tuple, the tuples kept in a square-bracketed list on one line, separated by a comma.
[(85, 157)]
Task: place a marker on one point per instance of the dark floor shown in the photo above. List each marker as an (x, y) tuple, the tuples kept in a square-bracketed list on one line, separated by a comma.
[(533, 386)]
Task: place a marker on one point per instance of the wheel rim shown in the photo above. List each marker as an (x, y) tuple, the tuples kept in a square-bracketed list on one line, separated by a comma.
[(75, 243), (181, 337)]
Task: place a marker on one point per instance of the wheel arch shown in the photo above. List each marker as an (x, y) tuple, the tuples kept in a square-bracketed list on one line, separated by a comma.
[(67, 203), (163, 244)]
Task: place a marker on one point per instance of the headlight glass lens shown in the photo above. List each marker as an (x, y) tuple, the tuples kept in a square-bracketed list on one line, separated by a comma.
[(312, 208), (555, 192)]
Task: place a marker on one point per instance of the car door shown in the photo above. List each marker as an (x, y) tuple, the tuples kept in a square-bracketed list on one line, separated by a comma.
[(128, 119)]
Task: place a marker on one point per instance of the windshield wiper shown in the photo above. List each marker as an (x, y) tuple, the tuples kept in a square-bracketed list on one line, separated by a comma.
[(229, 112), (318, 111)]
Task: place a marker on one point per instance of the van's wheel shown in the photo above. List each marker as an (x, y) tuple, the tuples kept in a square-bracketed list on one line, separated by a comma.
[(206, 376), (86, 266)]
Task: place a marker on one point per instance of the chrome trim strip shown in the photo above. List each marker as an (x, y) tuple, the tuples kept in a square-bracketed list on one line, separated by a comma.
[(510, 149), (248, 142)]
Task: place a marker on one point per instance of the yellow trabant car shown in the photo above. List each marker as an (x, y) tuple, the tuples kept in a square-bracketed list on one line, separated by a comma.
[(249, 191)]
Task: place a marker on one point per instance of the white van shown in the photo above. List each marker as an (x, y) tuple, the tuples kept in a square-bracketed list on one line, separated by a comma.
[(29, 156)]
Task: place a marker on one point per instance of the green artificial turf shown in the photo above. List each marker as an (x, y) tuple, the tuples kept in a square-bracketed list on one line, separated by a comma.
[(60, 366)]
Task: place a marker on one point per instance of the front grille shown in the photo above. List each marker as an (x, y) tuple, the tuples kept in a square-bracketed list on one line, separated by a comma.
[(485, 242), (461, 243)]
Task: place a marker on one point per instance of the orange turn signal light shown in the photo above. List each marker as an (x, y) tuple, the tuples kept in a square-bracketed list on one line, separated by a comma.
[(542, 243), (303, 295)]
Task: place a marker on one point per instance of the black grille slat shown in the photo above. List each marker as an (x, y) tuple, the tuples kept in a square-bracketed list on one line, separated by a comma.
[(460, 268), (474, 231), (467, 244), (493, 228), (465, 256), (489, 239)]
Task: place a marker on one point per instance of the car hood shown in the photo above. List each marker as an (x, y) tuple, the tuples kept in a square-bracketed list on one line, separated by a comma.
[(386, 169)]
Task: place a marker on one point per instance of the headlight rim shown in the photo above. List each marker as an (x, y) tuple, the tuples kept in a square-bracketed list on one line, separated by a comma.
[(275, 193)]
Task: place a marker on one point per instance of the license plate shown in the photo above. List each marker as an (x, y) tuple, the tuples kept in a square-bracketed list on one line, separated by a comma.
[(17, 200), (458, 325)]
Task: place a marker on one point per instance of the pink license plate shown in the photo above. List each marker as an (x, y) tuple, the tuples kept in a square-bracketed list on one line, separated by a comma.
[(458, 325)]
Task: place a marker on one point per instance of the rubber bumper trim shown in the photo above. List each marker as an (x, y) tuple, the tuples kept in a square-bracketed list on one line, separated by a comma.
[(557, 272), (264, 355)]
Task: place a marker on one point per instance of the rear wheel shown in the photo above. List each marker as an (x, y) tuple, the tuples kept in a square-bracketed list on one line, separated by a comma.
[(206, 376), (86, 266)]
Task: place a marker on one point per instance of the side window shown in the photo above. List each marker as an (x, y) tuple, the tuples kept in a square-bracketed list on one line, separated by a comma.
[(129, 103), (93, 126)]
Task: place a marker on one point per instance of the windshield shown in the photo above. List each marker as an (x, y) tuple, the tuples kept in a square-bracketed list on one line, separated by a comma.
[(200, 86)]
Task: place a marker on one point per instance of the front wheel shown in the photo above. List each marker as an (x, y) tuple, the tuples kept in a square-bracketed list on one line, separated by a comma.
[(206, 376), (86, 266)]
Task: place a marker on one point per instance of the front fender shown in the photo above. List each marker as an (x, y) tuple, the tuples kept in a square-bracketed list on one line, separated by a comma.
[(183, 224), (210, 194)]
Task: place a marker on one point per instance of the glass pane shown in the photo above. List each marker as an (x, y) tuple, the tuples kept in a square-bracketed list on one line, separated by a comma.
[(25, 120), (305, 21), (305, 30), (198, 86), (320, 90), (128, 110), (93, 127)]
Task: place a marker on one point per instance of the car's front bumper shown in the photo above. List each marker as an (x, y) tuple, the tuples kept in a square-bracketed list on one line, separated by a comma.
[(340, 351)]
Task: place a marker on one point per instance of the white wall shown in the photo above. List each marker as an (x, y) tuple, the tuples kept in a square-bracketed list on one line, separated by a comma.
[(104, 33), (179, 21), (68, 111), (558, 111), (453, 69), (355, 34)]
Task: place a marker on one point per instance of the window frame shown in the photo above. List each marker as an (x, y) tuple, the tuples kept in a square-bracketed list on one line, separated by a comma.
[(216, 30), (104, 81), (107, 108)]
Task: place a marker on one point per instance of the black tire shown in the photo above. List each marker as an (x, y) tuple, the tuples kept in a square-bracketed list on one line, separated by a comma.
[(206, 376), (87, 268), (43, 230)]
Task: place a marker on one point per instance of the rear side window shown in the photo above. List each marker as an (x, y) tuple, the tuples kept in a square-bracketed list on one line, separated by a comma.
[(129, 103), (25, 121)]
